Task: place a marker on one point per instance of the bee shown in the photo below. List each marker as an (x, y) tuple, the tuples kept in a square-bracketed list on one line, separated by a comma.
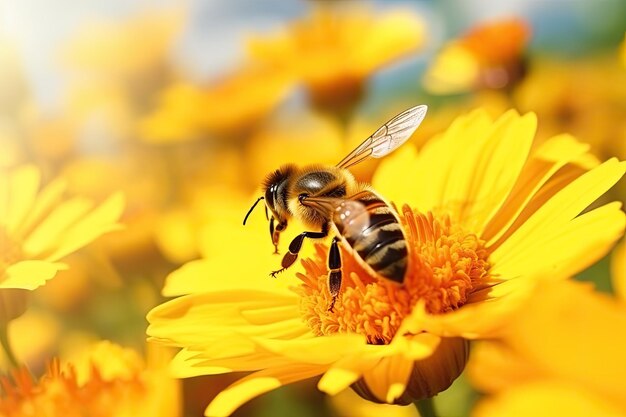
[(328, 199)]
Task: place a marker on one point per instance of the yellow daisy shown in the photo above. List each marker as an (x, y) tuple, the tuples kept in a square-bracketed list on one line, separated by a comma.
[(108, 380), (39, 227), (336, 49), (485, 216), (113, 48), (488, 56), (228, 107), (561, 355)]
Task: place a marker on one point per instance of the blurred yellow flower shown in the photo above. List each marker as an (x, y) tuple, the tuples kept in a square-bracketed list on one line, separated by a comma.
[(228, 107), (114, 71), (561, 355), (38, 228), (489, 218), (336, 49), (125, 49), (108, 380), (488, 56), (586, 98)]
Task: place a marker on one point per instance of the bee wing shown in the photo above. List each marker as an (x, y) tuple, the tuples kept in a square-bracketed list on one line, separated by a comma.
[(352, 214), (388, 137)]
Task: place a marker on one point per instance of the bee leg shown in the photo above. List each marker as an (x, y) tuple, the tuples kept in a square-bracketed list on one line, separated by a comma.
[(274, 238), (334, 276), (295, 246)]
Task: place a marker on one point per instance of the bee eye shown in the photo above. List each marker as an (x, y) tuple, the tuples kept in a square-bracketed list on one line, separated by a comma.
[(302, 197), (281, 226)]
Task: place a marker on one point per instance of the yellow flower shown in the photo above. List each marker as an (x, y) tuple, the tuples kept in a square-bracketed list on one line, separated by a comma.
[(561, 355), (113, 48), (486, 217), (586, 98), (108, 380), (488, 56), (114, 72), (228, 107), (39, 227), (335, 50)]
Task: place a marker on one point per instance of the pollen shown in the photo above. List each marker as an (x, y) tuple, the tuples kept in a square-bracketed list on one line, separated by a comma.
[(446, 265)]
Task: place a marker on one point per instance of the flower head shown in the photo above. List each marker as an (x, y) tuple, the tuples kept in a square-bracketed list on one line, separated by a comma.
[(39, 227), (107, 381), (484, 215), (228, 107), (334, 50), (488, 56)]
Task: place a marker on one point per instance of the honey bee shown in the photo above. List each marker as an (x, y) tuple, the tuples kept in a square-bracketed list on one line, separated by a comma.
[(328, 199)]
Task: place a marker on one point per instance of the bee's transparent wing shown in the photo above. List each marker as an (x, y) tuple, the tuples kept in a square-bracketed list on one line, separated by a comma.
[(351, 214), (387, 138)]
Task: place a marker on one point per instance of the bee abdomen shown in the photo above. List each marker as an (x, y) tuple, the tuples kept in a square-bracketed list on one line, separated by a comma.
[(381, 244), (383, 248)]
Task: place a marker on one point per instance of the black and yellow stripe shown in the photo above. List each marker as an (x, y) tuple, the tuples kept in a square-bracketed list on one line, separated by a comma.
[(381, 244)]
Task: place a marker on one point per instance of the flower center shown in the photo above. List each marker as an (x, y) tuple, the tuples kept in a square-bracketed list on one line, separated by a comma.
[(445, 265)]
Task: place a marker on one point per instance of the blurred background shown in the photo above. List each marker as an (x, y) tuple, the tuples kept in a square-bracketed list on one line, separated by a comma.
[(186, 106)]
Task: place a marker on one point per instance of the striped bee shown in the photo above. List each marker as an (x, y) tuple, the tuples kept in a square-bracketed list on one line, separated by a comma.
[(327, 199)]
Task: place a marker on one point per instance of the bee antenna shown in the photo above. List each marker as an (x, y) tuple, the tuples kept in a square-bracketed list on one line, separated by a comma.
[(252, 208)]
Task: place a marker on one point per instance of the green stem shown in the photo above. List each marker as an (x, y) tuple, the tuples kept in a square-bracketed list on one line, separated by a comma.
[(425, 407), (4, 341)]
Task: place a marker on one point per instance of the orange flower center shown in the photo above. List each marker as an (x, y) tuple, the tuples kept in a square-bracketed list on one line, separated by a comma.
[(445, 265)]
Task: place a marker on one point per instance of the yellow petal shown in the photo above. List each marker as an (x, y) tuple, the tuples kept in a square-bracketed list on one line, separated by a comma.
[(574, 334), (389, 176), (494, 366), (45, 236), (388, 379), (344, 373), (496, 168), (94, 224), (200, 276), (546, 398), (321, 350), (482, 319), (45, 202), (551, 156), (561, 209), (566, 250), (29, 275), (436, 159), (185, 365), (22, 190), (256, 384), (203, 318)]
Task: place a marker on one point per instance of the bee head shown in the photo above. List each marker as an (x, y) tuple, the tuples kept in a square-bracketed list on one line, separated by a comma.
[(276, 187)]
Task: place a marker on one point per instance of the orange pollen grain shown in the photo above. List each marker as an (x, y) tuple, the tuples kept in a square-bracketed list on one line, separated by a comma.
[(446, 264)]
